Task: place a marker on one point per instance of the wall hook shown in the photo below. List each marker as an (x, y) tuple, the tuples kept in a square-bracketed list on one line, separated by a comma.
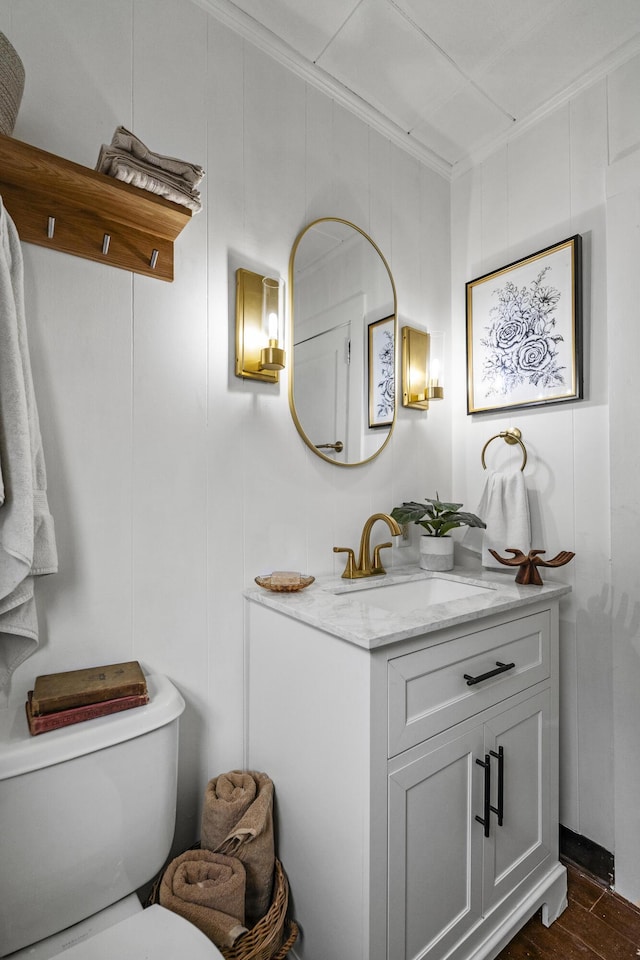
[(154, 259)]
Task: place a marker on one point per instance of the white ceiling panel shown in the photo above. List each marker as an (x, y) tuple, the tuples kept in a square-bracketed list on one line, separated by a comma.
[(382, 58), (306, 26), (467, 118), (558, 52), (476, 32)]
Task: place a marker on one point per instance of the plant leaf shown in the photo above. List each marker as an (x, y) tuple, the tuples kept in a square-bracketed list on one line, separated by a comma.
[(471, 520), (436, 516), (443, 507), (411, 512)]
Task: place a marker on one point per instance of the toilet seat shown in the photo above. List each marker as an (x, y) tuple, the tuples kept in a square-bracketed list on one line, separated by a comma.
[(152, 934)]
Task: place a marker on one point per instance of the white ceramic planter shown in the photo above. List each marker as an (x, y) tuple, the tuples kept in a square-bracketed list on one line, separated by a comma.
[(436, 553)]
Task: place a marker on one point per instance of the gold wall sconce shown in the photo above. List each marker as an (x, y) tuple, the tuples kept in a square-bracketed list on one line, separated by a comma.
[(422, 368), (259, 327)]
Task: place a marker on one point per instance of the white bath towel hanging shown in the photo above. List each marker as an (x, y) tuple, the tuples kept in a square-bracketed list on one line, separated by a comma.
[(27, 539), (504, 507)]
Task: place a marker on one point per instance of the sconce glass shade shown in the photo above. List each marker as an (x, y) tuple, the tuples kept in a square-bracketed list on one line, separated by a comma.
[(415, 364), (259, 327), (435, 390), (273, 356)]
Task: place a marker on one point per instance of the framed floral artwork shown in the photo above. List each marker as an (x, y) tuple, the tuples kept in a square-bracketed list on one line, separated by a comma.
[(381, 362), (524, 331)]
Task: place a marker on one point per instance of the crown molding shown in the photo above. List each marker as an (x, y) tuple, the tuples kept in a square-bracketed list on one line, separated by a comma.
[(249, 29)]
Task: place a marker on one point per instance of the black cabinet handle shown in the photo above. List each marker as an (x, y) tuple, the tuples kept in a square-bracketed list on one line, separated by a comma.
[(500, 668), (486, 820), (499, 810)]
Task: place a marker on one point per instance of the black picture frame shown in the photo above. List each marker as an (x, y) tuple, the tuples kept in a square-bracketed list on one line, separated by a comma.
[(381, 372), (524, 331)]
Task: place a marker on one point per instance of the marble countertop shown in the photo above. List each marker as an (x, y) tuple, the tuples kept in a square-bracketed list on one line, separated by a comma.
[(339, 607)]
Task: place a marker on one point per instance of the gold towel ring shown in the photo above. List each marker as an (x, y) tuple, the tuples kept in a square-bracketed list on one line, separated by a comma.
[(511, 436)]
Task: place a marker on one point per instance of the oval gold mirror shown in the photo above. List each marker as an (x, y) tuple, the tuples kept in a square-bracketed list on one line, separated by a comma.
[(342, 341)]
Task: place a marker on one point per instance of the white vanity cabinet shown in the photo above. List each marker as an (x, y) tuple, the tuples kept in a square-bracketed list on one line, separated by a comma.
[(417, 811)]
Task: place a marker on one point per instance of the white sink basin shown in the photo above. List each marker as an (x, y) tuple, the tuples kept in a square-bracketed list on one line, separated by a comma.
[(404, 596)]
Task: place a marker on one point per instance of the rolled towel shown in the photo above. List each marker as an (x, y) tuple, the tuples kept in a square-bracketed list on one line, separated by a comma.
[(237, 820), (208, 889)]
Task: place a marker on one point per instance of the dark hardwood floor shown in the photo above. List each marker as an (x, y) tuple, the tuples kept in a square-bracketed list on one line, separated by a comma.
[(597, 925)]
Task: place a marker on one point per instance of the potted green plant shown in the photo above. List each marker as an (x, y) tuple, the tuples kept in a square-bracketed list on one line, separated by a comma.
[(438, 519)]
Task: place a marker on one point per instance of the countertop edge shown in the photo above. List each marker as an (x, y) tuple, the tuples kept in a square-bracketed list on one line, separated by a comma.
[(343, 616)]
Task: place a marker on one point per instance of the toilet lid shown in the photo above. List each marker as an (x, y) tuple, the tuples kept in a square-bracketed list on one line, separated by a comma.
[(151, 934)]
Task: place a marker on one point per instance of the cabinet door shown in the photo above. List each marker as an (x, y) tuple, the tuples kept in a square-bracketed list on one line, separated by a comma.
[(435, 850), (524, 839)]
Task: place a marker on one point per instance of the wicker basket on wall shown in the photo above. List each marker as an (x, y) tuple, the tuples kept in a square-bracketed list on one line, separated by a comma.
[(11, 85)]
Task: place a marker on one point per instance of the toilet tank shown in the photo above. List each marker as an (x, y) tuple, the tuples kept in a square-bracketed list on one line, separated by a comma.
[(87, 813)]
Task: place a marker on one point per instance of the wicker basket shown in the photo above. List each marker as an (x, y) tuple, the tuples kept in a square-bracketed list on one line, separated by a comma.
[(11, 85), (271, 937), (274, 934)]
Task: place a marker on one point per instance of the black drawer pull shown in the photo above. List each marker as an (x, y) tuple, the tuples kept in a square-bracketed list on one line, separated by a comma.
[(500, 668)]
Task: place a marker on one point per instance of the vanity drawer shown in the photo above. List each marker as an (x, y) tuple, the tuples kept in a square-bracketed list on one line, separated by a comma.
[(428, 691)]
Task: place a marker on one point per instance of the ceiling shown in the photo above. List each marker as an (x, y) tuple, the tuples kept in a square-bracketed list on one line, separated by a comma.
[(449, 77)]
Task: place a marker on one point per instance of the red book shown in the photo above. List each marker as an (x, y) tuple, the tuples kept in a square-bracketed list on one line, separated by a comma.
[(64, 718)]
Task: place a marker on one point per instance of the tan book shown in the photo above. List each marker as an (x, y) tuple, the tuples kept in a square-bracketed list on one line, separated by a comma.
[(76, 688)]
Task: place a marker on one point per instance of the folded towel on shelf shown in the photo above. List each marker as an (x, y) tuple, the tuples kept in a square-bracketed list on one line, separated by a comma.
[(128, 159), (110, 159), (27, 537), (504, 507), (128, 170), (237, 820), (124, 140), (208, 889)]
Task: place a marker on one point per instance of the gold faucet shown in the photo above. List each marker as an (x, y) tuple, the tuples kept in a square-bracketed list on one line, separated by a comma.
[(367, 567)]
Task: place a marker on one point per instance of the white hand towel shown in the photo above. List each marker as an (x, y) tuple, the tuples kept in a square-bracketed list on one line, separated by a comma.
[(504, 507), (27, 540)]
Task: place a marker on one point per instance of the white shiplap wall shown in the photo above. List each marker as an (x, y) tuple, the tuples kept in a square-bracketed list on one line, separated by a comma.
[(622, 603), (557, 179), (535, 191), (172, 482)]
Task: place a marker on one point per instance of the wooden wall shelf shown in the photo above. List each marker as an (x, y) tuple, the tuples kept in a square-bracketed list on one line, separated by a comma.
[(88, 205)]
